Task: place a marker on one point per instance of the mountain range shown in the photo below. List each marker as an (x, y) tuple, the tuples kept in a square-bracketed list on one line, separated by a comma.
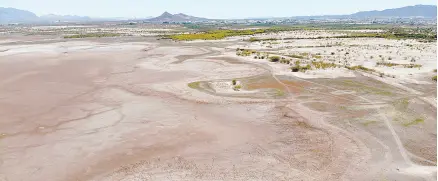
[(429, 11), (180, 17), (12, 15)]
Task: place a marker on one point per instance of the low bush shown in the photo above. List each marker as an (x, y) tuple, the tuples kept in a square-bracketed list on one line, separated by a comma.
[(274, 58)]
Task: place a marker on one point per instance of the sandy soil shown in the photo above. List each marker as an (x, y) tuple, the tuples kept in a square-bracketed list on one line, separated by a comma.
[(113, 110)]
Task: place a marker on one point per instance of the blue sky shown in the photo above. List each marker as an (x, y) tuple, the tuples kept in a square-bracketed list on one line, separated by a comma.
[(205, 8)]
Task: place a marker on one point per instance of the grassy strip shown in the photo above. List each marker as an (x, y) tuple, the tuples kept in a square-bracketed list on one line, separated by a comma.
[(390, 64), (295, 56), (414, 122), (90, 35), (252, 39), (395, 36), (360, 67), (366, 123), (214, 35), (221, 34), (323, 65)]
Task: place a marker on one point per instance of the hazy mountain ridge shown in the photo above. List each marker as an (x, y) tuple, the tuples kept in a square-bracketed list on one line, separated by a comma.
[(407, 11), (180, 17), (12, 15)]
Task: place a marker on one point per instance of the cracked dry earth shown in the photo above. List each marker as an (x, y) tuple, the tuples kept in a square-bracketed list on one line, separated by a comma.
[(87, 110)]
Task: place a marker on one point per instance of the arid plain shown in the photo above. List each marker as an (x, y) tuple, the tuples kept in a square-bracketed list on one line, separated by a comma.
[(142, 108)]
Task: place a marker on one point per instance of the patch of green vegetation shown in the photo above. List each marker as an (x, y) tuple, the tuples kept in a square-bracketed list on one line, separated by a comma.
[(422, 34), (317, 56), (366, 123), (221, 34), (412, 66), (304, 54), (323, 65), (237, 87), (414, 122), (274, 59), (298, 68), (434, 78), (195, 85), (387, 64), (360, 67), (90, 35), (285, 61), (214, 34), (391, 35), (279, 93), (245, 53), (390, 64), (234, 82), (253, 39), (296, 56)]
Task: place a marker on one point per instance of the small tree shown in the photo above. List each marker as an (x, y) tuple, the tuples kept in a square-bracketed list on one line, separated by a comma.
[(234, 82)]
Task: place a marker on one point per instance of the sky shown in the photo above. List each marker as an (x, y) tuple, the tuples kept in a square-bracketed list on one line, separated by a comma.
[(220, 9)]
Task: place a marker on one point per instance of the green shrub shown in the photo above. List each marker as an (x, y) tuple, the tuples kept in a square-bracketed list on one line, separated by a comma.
[(274, 58), (237, 87), (295, 68), (298, 68), (323, 65), (194, 85)]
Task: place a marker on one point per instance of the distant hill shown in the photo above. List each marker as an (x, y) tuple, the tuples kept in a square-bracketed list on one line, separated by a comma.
[(167, 17), (12, 15), (429, 11)]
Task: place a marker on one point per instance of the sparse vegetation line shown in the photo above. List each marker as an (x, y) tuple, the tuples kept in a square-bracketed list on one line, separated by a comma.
[(90, 35)]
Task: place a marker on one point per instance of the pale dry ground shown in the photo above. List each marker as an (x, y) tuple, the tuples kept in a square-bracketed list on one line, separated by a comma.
[(114, 110)]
